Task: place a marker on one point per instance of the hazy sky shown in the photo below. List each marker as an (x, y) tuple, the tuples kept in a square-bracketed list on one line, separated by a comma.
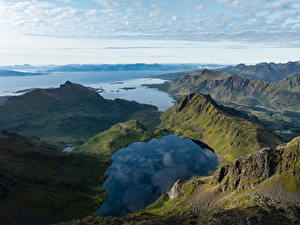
[(163, 31)]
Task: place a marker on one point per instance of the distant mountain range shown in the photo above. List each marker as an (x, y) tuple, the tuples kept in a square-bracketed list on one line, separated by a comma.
[(263, 71), (107, 67), (10, 73), (124, 67)]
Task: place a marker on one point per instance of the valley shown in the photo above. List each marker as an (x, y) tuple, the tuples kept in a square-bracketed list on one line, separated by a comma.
[(235, 173), (149, 112)]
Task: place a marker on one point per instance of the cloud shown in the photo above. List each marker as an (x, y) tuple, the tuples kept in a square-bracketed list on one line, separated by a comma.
[(238, 20), (167, 159), (232, 3), (91, 12), (200, 7), (277, 5), (108, 3)]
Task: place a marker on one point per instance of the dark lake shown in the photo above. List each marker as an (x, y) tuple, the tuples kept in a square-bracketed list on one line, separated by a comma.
[(141, 172)]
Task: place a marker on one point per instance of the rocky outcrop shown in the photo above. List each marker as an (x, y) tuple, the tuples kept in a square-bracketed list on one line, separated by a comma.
[(263, 188), (246, 173), (174, 192)]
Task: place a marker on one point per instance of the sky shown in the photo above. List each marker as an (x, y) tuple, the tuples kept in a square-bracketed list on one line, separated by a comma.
[(149, 31)]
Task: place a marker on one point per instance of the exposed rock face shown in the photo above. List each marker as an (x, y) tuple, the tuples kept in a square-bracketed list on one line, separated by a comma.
[(246, 173), (261, 166), (174, 192)]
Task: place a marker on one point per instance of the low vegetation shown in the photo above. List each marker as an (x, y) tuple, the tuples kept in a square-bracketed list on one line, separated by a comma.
[(229, 132), (40, 185), (69, 115), (260, 189), (276, 104)]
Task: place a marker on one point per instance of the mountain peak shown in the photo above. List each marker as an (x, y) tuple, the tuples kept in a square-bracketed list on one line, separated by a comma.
[(231, 133), (194, 99), (68, 83)]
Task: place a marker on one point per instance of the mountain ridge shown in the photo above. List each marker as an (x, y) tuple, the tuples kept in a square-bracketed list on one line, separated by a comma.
[(264, 71), (9, 73), (69, 114), (276, 104), (231, 134)]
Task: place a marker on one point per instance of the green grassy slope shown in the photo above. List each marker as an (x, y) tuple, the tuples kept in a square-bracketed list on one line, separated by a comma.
[(119, 136), (69, 114), (276, 104), (263, 188), (40, 186), (230, 133)]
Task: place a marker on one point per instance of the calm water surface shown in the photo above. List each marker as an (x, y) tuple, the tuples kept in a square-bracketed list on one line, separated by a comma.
[(141, 172), (111, 84)]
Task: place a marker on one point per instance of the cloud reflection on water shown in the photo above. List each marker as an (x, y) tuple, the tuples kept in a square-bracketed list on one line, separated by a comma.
[(141, 172)]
